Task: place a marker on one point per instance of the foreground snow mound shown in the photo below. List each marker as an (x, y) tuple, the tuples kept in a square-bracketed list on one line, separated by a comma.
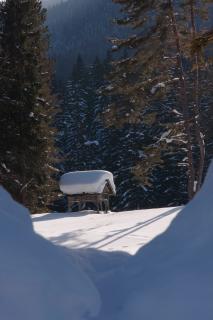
[(172, 277), (13, 210), (79, 182), (38, 280)]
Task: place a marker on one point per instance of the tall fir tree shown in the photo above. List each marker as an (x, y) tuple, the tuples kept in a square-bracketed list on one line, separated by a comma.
[(26, 105), (159, 63)]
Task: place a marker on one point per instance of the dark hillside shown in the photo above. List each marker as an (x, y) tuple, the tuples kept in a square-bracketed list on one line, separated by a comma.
[(80, 27)]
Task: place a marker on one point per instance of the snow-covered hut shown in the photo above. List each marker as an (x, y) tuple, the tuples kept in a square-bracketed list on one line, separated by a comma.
[(94, 186)]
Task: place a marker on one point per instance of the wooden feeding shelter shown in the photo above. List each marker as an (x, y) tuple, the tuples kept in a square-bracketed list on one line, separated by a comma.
[(83, 187)]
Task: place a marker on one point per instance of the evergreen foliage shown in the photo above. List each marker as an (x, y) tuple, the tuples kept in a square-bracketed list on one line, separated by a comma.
[(160, 65), (146, 149), (26, 104), (78, 121), (87, 143)]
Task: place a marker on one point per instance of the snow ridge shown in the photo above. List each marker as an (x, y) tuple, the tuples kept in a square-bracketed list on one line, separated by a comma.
[(38, 280)]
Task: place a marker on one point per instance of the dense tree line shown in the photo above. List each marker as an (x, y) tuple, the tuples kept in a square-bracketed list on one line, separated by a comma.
[(156, 132), (87, 143), (26, 104), (144, 137)]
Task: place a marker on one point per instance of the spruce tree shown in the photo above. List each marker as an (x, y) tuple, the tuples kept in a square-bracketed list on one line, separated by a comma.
[(26, 104), (160, 63)]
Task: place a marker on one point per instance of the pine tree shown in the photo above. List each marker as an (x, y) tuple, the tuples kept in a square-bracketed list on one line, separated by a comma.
[(122, 150), (160, 62), (26, 104)]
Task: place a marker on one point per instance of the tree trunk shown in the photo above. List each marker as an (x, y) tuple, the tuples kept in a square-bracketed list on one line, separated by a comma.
[(196, 107), (186, 115)]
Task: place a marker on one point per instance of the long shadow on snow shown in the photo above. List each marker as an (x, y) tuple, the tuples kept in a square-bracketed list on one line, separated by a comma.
[(109, 269), (100, 244), (125, 232)]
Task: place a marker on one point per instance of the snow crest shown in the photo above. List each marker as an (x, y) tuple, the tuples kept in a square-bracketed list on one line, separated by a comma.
[(38, 280), (172, 277)]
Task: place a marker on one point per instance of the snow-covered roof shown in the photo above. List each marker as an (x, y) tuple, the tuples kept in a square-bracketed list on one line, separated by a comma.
[(79, 182)]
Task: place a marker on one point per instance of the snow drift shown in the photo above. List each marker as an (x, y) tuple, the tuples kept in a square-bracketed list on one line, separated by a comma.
[(38, 280), (172, 277), (79, 182)]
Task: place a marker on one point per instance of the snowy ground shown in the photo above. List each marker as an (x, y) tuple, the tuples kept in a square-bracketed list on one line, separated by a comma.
[(149, 264), (125, 231), (38, 281), (103, 245), (152, 264)]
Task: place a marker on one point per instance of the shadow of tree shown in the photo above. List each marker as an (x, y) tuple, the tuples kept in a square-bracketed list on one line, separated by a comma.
[(75, 236), (127, 231)]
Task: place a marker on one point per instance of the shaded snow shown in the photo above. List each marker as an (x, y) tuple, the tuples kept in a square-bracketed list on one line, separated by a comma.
[(38, 280), (170, 277)]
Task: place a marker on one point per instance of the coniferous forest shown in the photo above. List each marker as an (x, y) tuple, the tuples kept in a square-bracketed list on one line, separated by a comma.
[(117, 85)]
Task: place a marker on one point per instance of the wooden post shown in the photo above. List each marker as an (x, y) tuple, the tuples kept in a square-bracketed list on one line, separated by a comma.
[(79, 206), (101, 205), (69, 201), (101, 201)]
